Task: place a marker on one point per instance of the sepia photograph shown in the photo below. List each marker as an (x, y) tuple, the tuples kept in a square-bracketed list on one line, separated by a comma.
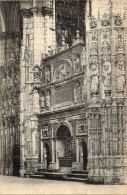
[(63, 97)]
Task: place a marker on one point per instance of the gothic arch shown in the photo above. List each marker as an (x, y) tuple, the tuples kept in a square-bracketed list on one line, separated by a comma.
[(65, 123)]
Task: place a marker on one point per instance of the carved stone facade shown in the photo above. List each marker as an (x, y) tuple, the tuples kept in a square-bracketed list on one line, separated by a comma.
[(63, 90)]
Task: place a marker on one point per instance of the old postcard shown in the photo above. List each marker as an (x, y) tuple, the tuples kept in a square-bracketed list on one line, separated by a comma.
[(63, 97)]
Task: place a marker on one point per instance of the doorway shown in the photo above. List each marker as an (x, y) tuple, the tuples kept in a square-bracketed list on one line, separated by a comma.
[(83, 155), (64, 146), (46, 155), (16, 160)]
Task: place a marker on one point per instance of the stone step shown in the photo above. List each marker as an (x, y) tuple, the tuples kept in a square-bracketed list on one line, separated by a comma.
[(77, 175), (76, 179), (37, 176), (80, 171)]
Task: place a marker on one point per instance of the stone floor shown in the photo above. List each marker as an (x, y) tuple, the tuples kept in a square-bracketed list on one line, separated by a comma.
[(16, 185)]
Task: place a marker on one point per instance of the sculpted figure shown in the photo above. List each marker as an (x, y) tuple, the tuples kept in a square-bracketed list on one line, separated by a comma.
[(107, 74), (94, 84), (42, 101), (48, 75), (120, 83), (48, 100), (77, 63), (36, 101)]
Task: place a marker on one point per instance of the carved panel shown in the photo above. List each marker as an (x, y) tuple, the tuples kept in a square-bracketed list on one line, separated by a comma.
[(105, 44), (105, 20), (63, 94), (63, 70), (119, 41), (82, 126), (118, 20), (93, 22)]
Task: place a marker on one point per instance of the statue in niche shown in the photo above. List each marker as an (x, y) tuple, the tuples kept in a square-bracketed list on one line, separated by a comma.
[(48, 74), (78, 92), (45, 131), (36, 101), (105, 46), (48, 100), (94, 67), (120, 82), (63, 71), (77, 63), (93, 48), (107, 74), (119, 46), (84, 88), (94, 84), (42, 101)]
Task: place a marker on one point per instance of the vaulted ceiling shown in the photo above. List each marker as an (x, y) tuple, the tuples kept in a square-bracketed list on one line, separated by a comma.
[(9, 16)]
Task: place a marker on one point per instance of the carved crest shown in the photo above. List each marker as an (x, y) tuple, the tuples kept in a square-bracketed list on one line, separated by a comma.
[(93, 22), (105, 20), (118, 20)]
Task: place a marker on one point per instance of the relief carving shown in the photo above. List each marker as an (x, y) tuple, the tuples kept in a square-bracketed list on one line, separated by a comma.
[(118, 20), (105, 48), (63, 71), (45, 131), (82, 128), (119, 42), (94, 65), (93, 22), (105, 20), (93, 48), (76, 61), (36, 73), (120, 81)]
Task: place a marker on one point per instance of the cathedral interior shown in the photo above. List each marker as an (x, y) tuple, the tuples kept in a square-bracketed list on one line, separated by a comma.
[(63, 102)]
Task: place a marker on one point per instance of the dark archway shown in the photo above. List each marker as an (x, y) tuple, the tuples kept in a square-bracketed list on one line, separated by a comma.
[(47, 155), (83, 155), (16, 160), (64, 146)]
